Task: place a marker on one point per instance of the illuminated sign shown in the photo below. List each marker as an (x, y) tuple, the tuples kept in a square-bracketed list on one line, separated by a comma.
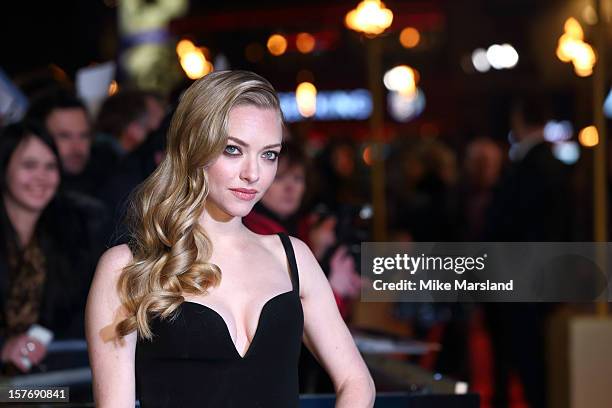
[(331, 105)]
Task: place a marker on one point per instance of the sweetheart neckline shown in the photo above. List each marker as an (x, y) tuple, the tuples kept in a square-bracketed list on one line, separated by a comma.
[(227, 330)]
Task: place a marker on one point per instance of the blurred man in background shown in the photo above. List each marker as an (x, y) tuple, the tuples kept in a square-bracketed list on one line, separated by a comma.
[(530, 205), (84, 164), (125, 120)]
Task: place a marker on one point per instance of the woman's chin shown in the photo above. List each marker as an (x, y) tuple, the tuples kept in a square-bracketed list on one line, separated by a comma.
[(240, 210)]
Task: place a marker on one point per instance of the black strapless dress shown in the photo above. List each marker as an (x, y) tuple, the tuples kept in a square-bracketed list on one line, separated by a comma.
[(193, 362)]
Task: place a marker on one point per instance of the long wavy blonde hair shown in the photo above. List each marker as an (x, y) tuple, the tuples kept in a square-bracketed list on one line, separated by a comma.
[(170, 248)]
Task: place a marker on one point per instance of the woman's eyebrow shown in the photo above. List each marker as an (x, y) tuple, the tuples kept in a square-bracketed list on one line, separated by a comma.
[(245, 144)]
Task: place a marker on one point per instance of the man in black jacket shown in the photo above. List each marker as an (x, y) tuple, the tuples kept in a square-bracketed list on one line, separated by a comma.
[(530, 205)]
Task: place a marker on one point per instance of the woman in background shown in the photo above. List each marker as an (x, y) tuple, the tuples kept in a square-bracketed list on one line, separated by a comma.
[(43, 251)]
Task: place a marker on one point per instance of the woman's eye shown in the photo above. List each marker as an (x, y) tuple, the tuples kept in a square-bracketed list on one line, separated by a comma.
[(29, 165), (271, 155), (232, 150)]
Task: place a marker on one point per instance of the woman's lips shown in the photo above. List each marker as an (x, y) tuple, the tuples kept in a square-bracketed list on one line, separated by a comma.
[(38, 192), (244, 194)]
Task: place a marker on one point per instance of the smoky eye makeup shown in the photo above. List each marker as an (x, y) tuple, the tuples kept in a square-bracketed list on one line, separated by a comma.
[(271, 155), (231, 150)]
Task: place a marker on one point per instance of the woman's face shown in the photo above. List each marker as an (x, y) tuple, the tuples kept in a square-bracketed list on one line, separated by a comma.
[(32, 175), (240, 176), (285, 194)]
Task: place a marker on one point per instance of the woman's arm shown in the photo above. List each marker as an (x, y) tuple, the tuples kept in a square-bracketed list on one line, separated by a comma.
[(328, 338), (112, 360)]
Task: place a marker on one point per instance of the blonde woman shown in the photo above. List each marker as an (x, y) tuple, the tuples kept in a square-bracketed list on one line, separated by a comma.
[(198, 311)]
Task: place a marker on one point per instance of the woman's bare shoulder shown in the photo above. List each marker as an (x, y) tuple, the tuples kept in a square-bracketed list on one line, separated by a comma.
[(115, 259), (303, 254), (309, 271)]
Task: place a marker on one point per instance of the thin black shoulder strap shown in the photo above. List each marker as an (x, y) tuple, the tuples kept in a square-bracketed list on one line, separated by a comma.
[(295, 279)]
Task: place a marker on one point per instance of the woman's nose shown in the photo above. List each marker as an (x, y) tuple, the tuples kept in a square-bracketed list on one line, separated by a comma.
[(41, 174), (250, 170)]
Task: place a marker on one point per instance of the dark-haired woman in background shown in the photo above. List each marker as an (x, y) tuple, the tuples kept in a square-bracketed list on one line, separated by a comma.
[(46, 248)]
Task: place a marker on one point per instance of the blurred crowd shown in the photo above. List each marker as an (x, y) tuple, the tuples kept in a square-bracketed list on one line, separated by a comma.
[(67, 176)]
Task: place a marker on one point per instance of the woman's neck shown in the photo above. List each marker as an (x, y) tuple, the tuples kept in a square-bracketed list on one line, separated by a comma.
[(23, 220), (220, 226)]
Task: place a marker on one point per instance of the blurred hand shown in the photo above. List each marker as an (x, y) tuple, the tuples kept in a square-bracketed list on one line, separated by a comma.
[(322, 235), (343, 277), (17, 347)]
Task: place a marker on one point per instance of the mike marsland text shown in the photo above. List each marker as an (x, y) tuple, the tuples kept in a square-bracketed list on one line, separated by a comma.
[(438, 285)]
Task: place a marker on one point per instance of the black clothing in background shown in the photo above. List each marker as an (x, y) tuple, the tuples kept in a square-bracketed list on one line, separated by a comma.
[(530, 205), (532, 201), (96, 173)]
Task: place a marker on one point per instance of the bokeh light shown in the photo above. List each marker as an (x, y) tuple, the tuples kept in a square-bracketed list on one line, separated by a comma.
[(480, 61), (589, 137), (404, 108), (306, 98), (410, 37), (568, 151), (113, 88), (589, 15), (401, 79), (558, 131), (608, 105), (370, 17), (502, 56), (367, 155), (194, 64), (305, 42), (184, 46), (277, 44), (571, 47), (573, 28)]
